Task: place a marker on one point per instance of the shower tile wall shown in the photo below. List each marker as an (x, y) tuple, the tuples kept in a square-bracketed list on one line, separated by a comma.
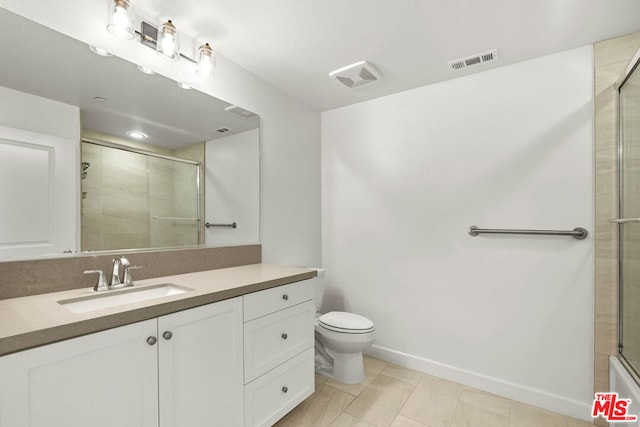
[(610, 59), (115, 210)]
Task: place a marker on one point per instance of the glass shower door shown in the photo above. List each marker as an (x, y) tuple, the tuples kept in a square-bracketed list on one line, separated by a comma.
[(173, 203), (629, 229)]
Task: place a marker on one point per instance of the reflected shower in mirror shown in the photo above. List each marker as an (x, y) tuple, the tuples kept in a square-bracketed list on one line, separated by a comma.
[(198, 155), (629, 211), (132, 199)]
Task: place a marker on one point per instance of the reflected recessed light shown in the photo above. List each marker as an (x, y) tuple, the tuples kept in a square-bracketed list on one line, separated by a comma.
[(145, 70), (99, 99), (99, 51), (184, 86), (137, 135)]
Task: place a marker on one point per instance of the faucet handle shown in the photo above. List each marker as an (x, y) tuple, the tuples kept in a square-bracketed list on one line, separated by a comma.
[(128, 280), (101, 285)]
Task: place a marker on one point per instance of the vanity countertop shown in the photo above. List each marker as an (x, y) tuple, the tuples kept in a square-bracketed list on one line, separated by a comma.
[(36, 320)]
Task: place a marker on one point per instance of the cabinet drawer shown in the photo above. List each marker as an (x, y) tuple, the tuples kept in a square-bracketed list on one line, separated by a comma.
[(270, 397), (272, 339), (264, 302)]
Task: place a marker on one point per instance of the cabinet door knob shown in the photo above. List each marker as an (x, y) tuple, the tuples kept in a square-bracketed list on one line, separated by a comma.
[(151, 340), (284, 336), (285, 297), (285, 389), (167, 335)]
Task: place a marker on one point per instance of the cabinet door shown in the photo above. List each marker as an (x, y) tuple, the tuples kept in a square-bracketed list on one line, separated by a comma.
[(200, 359), (104, 379)]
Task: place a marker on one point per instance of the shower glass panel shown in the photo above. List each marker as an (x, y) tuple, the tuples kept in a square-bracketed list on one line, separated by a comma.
[(135, 200), (629, 230), (173, 203)]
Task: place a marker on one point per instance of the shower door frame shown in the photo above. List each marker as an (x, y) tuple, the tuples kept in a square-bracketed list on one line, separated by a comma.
[(634, 65)]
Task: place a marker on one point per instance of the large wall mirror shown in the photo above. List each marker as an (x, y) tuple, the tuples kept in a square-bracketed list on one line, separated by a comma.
[(629, 221), (96, 154)]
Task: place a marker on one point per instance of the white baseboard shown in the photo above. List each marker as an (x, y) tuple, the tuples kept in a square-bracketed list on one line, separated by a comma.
[(531, 396)]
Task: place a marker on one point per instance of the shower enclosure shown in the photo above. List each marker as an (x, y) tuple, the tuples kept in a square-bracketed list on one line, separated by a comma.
[(137, 199), (629, 217)]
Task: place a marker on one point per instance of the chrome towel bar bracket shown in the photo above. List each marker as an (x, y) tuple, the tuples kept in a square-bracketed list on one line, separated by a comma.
[(577, 233)]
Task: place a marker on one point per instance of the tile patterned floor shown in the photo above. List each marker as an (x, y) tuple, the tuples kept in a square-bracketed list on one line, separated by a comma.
[(392, 396)]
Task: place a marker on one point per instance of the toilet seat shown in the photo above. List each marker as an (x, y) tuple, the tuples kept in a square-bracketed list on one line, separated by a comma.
[(347, 323)]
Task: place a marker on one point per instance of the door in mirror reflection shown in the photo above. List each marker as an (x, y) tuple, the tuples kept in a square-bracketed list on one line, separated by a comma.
[(37, 195), (134, 200)]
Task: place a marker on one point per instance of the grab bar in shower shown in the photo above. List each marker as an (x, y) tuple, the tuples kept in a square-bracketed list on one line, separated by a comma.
[(578, 232), (232, 225), (624, 220), (171, 218)]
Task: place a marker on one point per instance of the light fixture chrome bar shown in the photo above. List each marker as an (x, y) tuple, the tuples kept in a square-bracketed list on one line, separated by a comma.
[(624, 220), (232, 225), (578, 233), (171, 218)]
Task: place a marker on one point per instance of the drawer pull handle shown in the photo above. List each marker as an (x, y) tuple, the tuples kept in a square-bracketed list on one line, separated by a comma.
[(285, 297), (167, 335), (151, 340), (284, 336), (285, 390)]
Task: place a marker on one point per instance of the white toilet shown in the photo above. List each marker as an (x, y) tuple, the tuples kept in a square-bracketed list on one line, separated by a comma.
[(340, 339)]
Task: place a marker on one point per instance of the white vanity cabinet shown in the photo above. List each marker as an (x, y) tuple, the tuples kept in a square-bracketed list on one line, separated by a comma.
[(182, 369), (278, 351)]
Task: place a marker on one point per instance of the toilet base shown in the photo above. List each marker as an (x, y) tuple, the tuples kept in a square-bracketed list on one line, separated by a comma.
[(347, 368)]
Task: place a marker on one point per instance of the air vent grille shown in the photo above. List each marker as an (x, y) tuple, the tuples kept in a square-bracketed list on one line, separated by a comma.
[(469, 61), (357, 75), (240, 112)]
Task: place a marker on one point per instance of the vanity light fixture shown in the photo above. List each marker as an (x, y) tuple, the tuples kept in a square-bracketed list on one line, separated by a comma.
[(121, 19), (137, 134), (165, 39), (168, 42)]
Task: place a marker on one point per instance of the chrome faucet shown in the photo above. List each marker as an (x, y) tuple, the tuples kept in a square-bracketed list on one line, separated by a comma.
[(115, 277), (127, 281)]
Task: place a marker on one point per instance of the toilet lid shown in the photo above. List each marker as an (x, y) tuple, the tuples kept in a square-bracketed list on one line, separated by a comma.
[(346, 322)]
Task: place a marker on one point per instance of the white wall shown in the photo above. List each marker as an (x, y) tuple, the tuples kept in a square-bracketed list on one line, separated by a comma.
[(232, 188), (54, 118), (403, 178), (290, 131)]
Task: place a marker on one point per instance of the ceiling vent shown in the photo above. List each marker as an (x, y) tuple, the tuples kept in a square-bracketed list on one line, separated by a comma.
[(240, 112), (488, 56), (357, 75)]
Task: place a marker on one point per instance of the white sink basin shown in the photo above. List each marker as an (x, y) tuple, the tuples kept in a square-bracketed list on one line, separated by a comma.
[(115, 298)]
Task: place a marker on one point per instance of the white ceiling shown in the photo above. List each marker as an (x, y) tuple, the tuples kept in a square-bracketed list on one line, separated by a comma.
[(294, 44), (170, 116)]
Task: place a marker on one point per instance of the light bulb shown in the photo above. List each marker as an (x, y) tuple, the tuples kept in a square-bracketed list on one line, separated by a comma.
[(120, 17), (120, 21), (168, 44), (204, 68)]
